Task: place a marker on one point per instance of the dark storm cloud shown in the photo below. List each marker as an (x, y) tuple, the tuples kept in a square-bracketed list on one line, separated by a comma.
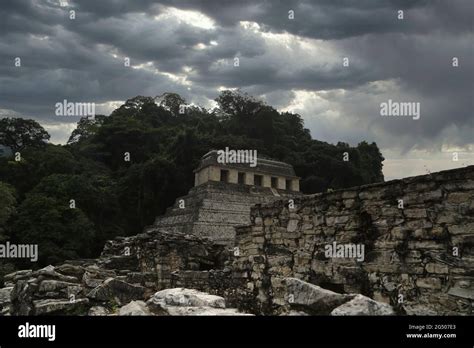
[(423, 68), (336, 19)]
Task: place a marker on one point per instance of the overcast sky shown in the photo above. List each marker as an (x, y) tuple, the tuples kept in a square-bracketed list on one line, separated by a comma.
[(295, 64)]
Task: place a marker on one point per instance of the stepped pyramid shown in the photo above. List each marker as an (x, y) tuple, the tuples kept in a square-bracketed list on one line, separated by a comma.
[(223, 195)]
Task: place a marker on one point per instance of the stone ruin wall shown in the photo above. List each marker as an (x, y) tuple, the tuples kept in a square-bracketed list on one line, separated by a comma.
[(161, 260), (408, 252)]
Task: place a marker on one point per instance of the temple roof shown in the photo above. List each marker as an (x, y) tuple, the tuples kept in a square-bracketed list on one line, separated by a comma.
[(264, 165)]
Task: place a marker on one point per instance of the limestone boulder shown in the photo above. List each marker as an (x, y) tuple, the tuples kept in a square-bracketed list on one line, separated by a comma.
[(204, 311), (363, 305), (98, 311), (135, 308), (293, 313), (95, 276), (22, 296), (181, 301), (311, 298), (11, 278), (419, 309), (5, 300), (117, 290), (187, 297), (464, 291), (58, 288), (49, 272), (60, 307), (71, 270)]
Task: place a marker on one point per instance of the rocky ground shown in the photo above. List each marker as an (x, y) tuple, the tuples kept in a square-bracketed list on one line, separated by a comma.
[(89, 290)]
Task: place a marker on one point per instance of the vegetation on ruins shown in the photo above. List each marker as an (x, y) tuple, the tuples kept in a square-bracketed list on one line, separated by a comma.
[(165, 142)]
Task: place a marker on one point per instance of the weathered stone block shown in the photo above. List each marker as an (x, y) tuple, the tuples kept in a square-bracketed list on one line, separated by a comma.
[(60, 287), (429, 283), (462, 292), (433, 245), (349, 203), (318, 220), (117, 289), (413, 256), (55, 306), (415, 224), (459, 185), (341, 220), (329, 231), (399, 233), (459, 197), (461, 229), (381, 297), (370, 195), (292, 225), (437, 268), (363, 305), (449, 217), (312, 298), (391, 212), (330, 220), (415, 213), (349, 194)]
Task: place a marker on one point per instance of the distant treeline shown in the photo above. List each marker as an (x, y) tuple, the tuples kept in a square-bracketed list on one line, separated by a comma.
[(165, 140)]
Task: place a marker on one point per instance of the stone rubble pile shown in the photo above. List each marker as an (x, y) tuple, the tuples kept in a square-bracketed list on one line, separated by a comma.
[(116, 278), (63, 291)]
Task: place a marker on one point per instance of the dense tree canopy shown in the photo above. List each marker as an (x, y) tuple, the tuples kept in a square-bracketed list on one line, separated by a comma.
[(124, 169), (60, 232), (7, 206), (18, 133)]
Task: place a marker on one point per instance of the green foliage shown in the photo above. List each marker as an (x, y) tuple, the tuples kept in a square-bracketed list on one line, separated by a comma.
[(93, 195), (172, 102), (60, 232), (7, 206), (146, 190), (86, 127), (7, 210), (117, 197), (18, 133), (35, 164)]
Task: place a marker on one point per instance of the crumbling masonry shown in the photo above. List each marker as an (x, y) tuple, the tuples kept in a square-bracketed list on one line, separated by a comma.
[(419, 258)]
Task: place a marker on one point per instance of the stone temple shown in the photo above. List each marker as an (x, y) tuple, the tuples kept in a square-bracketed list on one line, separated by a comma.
[(223, 195)]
